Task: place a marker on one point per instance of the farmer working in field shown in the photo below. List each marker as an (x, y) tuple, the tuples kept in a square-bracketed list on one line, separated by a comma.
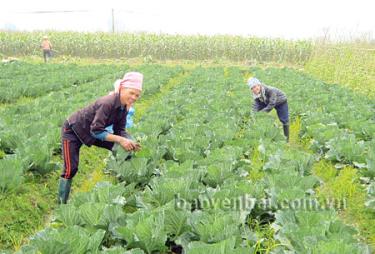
[(129, 116), (88, 126), (47, 48), (266, 98)]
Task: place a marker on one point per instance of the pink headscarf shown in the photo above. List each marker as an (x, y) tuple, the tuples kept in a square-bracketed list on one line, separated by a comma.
[(132, 80)]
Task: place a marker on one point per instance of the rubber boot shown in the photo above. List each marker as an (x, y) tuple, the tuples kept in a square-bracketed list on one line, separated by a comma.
[(64, 190), (286, 131)]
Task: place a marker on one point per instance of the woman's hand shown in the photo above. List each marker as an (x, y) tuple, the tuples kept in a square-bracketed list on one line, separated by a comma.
[(129, 145), (137, 147)]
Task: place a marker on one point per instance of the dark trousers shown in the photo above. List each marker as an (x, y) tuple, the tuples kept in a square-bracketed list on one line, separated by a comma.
[(282, 112), (46, 54), (70, 150)]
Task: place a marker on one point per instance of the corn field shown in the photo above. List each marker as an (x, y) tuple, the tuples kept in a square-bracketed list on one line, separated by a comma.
[(159, 46)]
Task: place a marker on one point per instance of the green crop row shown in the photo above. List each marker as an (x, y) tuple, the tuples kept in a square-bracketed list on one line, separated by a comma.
[(30, 131), (178, 191), (38, 79)]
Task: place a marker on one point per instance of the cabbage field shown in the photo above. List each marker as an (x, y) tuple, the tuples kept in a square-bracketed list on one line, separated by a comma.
[(212, 176)]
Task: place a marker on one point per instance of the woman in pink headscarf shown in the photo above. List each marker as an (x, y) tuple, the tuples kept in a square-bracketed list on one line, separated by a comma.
[(88, 126), (131, 111), (129, 116)]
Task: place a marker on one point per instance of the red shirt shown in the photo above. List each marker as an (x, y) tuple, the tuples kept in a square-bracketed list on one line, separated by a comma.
[(46, 45)]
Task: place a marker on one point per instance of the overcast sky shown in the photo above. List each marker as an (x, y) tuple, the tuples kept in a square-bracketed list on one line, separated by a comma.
[(293, 19)]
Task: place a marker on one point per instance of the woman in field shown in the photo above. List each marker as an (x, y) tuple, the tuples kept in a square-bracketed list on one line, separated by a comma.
[(46, 48), (88, 126), (129, 116), (131, 111), (267, 98)]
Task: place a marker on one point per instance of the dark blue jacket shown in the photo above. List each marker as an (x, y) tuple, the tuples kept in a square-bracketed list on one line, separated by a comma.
[(272, 98)]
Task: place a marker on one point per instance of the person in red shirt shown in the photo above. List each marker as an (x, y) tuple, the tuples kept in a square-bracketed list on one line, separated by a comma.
[(87, 126), (46, 48)]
